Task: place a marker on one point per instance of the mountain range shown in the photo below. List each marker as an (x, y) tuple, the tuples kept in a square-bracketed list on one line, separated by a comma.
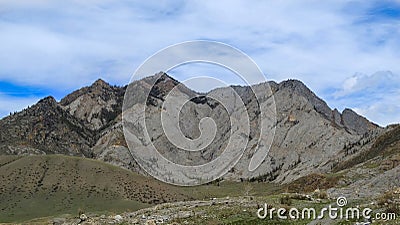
[(309, 135), (55, 150)]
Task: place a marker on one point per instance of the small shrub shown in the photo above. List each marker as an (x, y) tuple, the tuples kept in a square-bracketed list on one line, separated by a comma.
[(393, 208), (320, 194), (80, 212), (285, 200), (300, 197), (390, 200)]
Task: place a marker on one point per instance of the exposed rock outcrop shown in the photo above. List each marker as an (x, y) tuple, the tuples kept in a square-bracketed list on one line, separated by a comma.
[(88, 123)]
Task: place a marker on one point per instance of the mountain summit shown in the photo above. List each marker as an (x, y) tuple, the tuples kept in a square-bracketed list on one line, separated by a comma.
[(87, 122), (95, 105)]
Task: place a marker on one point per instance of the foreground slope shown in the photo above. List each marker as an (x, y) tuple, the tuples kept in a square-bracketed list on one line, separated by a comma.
[(373, 170), (37, 186)]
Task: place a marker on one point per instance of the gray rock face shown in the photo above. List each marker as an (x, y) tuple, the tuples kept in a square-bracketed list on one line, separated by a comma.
[(308, 134), (88, 122), (96, 105), (337, 117), (45, 128), (356, 123)]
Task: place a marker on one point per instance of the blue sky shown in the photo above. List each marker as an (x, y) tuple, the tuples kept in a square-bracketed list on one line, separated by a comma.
[(348, 52)]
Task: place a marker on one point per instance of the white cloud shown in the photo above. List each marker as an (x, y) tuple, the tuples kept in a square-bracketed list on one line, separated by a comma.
[(382, 113), (376, 96), (377, 83), (68, 44)]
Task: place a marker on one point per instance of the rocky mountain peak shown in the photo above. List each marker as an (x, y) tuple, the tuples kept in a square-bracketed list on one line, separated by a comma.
[(97, 104), (293, 84), (163, 84), (164, 81), (88, 121), (348, 119), (99, 88), (165, 77), (355, 122), (44, 128), (100, 83), (46, 105), (49, 100), (298, 88)]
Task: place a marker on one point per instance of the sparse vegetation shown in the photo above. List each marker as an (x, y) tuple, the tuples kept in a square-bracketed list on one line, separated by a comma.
[(52, 185), (320, 194), (390, 201), (285, 200), (386, 144), (313, 182), (37, 186), (74, 185)]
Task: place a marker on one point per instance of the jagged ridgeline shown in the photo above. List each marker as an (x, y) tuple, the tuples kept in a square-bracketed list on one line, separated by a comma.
[(196, 106), (88, 123)]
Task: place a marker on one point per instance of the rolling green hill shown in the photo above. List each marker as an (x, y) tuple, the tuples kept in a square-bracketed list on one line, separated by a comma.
[(39, 186), (54, 185)]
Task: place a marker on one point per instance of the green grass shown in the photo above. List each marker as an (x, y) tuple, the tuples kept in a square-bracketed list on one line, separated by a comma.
[(232, 189), (371, 165), (246, 214), (43, 206), (314, 181), (41, 186), (51, 186)]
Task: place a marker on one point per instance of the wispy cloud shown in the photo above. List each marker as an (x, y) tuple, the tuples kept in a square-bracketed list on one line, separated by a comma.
[(374, 85), (377, 96), (63, 45)]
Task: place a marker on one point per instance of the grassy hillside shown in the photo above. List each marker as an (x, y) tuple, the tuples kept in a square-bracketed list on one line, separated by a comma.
[(38, 186), (41, 186), (57, 185), (385, 145)]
